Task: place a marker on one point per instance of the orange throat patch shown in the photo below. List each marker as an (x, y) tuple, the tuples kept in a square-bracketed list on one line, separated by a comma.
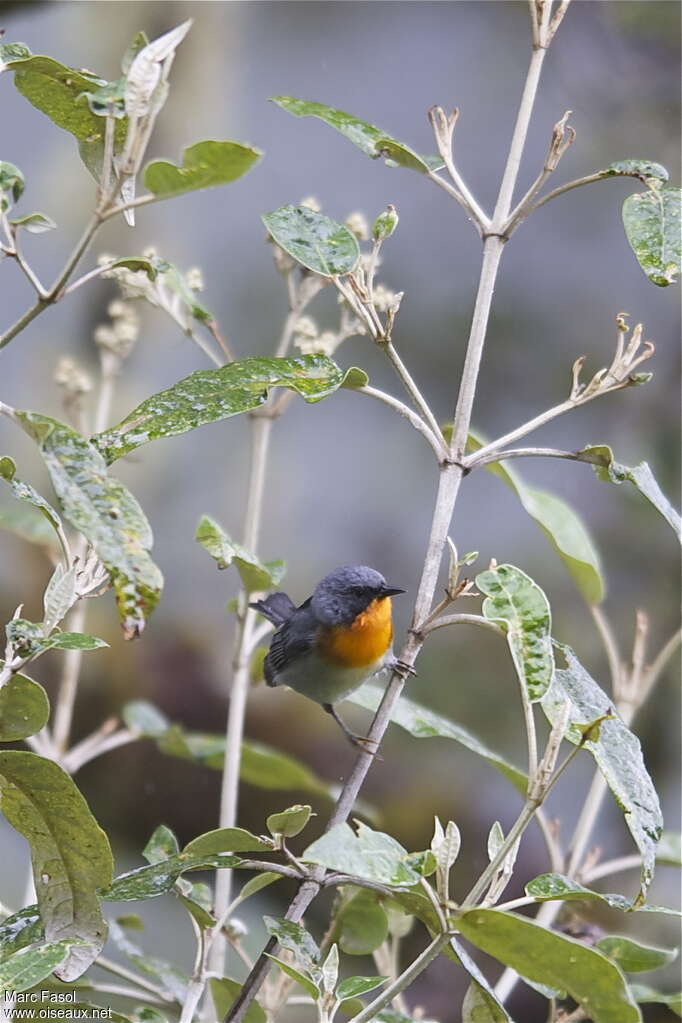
[(363, 642)]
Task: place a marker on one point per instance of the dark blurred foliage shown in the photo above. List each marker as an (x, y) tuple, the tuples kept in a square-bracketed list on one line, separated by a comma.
[(347, 481)]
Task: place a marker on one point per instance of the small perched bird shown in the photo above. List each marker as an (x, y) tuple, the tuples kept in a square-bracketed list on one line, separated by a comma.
[(336, 639)]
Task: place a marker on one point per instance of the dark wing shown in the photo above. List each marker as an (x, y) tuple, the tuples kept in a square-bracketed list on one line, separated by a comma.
[(291, 640), (277, 608)]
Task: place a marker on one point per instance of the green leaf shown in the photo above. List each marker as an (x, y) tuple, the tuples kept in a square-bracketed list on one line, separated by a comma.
[(59, 596), (225, 840), (34, 223), (172, 981), (254, 574), (13, 51), (145, 1014), (354, 378), (11, 184), (211, 395), (75, 641), (641, 169), (369, 854), (289, 822), (547, 957), (25, 492), (652, 224), (423, 723), (142, 716), (224, 993), (29, 966), (107, 99), (29, 525), (261, 765), (137, 43), (204, 165), (480, 1007), (19, 930), (632, 956), (369, 139), (644, 993), (445, 846), (59, 92), (300, 978), (562, 526), (24, 708), (294, 938), (29, 640), (139, 264), (318, 243), (495, 840), (258, 882), (517, 603), (161, 846), (547, 887), (362, 924), (640, 476), (669, 848), (70, 852), (459, 954), (105, 512), (330, 970), (353, 987), (197, 900), (617, 752), (158, 878), (269, 769)]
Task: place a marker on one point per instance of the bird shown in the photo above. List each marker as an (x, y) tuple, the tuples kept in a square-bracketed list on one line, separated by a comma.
[(335, 640)]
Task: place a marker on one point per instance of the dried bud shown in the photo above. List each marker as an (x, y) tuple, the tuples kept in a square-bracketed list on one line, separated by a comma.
[(385, 299), (357, 224), (385, 224), (194, 279), (72, 378), (283, 261), (306, 327), (120, 336)]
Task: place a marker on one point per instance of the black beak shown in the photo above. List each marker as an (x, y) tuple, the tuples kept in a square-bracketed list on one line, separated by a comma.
[(390, 591)]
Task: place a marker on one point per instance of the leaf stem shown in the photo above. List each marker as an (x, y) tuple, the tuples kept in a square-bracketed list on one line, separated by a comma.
[(464, 619)]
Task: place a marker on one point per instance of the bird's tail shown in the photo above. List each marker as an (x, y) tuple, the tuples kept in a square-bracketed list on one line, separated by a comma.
[(277, 608)]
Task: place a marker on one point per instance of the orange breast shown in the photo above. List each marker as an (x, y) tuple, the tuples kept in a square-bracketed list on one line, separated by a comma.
[(365, 641)]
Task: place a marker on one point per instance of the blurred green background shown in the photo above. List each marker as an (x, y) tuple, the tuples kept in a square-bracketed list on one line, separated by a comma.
[(348, 481)]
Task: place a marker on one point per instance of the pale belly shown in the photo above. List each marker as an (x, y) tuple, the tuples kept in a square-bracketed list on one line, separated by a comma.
[(328, 683)]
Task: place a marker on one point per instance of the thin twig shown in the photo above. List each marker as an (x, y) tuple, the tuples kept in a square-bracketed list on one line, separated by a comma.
[(608, 867), (104, 963), (411, 388), (501, 456), (610, 646), (416, 421), (403, 981)]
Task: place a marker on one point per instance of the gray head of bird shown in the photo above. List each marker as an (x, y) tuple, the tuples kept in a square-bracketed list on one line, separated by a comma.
[(346, 592)]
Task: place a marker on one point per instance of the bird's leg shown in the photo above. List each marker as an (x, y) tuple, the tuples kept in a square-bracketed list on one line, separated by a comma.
[(360, 741), (401, 667)]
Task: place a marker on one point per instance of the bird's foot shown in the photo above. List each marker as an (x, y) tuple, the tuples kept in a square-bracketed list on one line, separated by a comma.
[(366, 744), (403, 668)]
